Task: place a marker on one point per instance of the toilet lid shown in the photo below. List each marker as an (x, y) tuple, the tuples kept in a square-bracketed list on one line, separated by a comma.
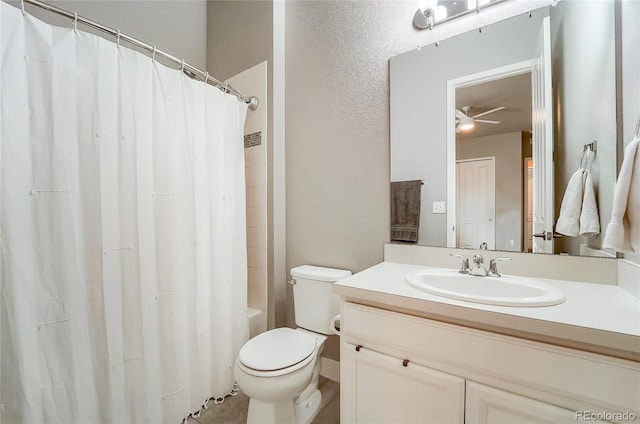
[(277, 349)]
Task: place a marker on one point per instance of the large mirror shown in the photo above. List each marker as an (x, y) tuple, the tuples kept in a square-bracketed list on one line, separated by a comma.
[(505, 113)]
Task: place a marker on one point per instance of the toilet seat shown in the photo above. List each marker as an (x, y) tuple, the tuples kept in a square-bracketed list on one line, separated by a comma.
[(277, 352)]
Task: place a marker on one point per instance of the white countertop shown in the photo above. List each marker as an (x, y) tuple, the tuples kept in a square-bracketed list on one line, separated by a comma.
[(600, 318)]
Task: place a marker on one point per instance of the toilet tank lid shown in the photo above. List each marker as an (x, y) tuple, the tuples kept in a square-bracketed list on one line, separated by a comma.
[(319, 273)]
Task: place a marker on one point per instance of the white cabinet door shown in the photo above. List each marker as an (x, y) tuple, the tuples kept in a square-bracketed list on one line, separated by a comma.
[(486, 405), (377, 388)]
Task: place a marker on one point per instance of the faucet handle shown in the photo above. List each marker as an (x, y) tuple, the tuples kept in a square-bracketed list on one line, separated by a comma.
[(465, 262), (493, 265)]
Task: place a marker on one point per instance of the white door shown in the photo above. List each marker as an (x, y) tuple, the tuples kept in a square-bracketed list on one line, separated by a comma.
[(476, 202), (378, 388), (542, 143), (487, 405)]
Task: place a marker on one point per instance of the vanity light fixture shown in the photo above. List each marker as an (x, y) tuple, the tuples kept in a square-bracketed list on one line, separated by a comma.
[(430, 13), (474, 4), (425, 15)]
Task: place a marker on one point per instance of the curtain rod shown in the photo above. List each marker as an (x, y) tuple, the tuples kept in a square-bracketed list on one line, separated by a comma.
[(185, 67)]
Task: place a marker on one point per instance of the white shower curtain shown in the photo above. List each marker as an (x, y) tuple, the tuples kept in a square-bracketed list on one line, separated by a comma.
[(122, 210)]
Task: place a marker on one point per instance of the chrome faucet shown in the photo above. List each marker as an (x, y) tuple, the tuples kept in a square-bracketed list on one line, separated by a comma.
[(493, 266), (478, 266), (484, 246), (465, 263)]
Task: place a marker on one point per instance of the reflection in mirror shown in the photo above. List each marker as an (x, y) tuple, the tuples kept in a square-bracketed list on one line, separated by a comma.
[(494, 166), (581, 108)]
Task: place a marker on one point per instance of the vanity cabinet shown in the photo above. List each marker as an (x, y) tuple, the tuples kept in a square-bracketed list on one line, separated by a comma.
[(400, 368)]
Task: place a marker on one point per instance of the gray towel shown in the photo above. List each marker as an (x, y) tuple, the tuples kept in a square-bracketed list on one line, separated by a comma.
[(405, 210)]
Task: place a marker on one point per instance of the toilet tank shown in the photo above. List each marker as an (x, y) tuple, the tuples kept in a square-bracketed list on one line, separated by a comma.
[(314, 302)]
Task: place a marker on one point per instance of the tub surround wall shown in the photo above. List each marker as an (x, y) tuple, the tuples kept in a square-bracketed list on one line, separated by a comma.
[(241, 35), (254, 81)]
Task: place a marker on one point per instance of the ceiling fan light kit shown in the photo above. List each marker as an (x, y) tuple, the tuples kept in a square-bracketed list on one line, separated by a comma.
[(466, 122)]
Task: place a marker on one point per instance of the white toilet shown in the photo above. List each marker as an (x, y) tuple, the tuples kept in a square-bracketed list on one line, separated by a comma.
[(279, 369)]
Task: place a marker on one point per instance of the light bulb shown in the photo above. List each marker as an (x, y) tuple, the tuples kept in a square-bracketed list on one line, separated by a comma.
[(467, 126), (427, 4)]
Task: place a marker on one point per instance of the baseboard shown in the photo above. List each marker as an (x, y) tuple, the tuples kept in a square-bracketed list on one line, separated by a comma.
[(330, 368)]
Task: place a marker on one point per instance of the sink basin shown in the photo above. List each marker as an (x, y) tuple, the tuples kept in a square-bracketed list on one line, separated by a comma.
[(508, 290)]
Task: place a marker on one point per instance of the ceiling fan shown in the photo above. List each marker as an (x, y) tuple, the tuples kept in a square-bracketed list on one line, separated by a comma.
[(466, 122)]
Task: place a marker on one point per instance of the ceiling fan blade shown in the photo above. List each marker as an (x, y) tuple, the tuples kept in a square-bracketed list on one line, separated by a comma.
[(486, 122), (459, 114), (488, 112)]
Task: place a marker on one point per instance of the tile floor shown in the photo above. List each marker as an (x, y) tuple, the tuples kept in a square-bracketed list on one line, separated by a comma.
[(234, 408)]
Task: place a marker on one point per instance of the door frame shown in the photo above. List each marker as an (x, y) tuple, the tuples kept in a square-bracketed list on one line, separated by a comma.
[(525, 202), (518, 68)]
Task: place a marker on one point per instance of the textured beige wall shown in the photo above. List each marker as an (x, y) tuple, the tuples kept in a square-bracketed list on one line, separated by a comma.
[(337, 132), (337, 129)]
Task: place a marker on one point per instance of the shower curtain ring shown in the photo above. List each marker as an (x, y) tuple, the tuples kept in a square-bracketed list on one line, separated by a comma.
[(22, 7), (118, 38), (75, 22), (153, 55), (182, 66), (206, 77)]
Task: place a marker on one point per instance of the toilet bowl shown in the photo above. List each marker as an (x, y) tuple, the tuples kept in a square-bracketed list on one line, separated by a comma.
[(279, 369)]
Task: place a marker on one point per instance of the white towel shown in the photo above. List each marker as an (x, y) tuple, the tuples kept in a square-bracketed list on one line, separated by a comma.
[(589, 217), (623, 232), (569, 219)]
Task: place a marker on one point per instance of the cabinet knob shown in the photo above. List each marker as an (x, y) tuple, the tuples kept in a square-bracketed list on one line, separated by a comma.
[(405, 362)]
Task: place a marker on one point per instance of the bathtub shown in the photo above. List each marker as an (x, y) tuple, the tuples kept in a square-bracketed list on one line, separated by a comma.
[(257, 321)]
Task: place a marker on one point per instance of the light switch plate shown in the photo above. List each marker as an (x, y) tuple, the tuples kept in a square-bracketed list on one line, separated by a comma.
[(438, 207)]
